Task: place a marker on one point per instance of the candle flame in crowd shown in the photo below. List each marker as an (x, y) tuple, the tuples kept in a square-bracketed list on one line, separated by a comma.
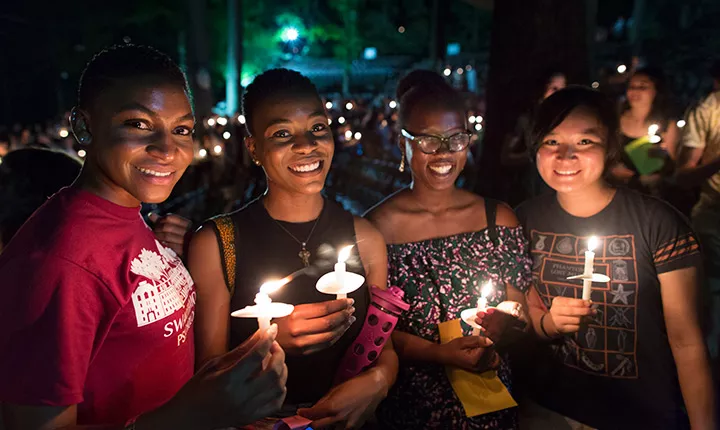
[(486, 289), (344, 253), (592, 243), (270, 287)]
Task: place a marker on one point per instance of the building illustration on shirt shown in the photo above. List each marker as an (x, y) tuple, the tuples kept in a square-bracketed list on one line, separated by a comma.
[(166, 287)]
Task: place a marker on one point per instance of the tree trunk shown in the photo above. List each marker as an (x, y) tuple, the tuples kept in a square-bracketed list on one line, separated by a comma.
[(528, 39), (635, 30), (233, 66), (199, 61), (353, 45), (434, 24)]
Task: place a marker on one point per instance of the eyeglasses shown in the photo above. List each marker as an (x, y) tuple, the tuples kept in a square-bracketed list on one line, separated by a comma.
[(432, 144)]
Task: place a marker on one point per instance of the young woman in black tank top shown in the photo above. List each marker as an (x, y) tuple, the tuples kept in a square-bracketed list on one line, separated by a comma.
[(292, 229)]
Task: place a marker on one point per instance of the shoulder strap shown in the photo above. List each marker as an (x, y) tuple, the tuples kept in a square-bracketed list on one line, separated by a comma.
[(491, 214), (225, 234)]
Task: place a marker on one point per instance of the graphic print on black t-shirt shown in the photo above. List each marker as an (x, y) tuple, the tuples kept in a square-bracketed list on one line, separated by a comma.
[(606, 346), (618, 371)]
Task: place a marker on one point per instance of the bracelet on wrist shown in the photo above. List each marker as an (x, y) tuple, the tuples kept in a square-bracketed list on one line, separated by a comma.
[(542, 325)]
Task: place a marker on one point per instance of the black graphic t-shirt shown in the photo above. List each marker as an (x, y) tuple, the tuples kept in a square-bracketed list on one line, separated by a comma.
[(618, 370)]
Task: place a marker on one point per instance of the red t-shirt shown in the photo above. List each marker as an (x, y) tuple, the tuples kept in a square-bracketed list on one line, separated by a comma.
[(93, 312)]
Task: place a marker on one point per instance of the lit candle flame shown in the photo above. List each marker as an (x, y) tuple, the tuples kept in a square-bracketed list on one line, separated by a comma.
[(592, 243), (270, 287), (653, 129), (344, 254), (486, 290)]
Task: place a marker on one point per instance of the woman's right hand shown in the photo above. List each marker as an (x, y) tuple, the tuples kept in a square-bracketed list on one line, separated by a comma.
[(566, 314), (472, 353), (313, 327), (233, 390)]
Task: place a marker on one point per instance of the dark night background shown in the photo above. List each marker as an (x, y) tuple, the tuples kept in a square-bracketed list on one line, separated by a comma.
[(507, 44)]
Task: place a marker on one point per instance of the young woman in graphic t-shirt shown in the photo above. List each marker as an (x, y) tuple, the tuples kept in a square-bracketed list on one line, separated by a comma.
[(97, 315), (631, 355)]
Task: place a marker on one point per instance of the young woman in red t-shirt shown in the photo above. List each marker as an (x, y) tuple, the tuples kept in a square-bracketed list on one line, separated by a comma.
[(97, 315)]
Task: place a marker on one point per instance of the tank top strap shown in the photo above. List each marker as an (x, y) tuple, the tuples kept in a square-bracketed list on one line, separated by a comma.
[(224, 229)]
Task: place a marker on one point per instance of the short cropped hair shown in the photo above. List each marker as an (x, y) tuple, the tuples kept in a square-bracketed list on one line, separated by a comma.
[(123, 62), (272, 83)]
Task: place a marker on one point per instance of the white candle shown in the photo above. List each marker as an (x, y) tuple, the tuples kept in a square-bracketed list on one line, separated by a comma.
[(340, 269), (263, 301), (589, 267), (652, 133), (482, 302)]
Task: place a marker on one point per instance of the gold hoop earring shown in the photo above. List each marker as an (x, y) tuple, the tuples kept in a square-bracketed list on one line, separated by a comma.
[(402, 163)]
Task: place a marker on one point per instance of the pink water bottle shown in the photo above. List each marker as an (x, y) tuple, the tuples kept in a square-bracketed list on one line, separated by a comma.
[(386, 306)]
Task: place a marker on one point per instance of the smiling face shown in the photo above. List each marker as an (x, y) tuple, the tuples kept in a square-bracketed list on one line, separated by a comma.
[(293, 142), (572, 156), (437, 171), (141, 140)]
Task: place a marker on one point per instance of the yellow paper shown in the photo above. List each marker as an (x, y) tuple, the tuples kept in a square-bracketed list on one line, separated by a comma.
[(479, 393)]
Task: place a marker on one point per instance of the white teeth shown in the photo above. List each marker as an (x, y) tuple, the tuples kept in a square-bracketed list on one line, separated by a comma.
[(306, 167), (570, 173), (442, 169), (154, 173)]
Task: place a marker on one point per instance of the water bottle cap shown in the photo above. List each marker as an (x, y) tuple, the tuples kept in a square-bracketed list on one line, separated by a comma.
[(390, 299)]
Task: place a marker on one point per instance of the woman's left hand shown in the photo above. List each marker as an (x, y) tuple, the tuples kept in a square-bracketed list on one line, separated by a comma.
[(351, 403)]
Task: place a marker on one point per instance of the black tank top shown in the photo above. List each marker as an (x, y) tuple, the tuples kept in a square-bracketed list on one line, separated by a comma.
[(265, 251)]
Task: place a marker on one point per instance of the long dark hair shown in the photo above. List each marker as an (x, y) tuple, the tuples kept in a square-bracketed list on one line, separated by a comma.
[(660, 110)]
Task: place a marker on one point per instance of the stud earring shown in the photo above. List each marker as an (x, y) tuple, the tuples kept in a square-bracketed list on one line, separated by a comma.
[(402, 164), (257, 162)]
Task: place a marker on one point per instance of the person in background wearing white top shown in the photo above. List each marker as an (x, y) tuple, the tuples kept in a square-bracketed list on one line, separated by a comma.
[(699, 164)]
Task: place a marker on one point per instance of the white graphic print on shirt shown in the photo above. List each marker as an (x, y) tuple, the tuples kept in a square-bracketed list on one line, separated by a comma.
[(167, 289)]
